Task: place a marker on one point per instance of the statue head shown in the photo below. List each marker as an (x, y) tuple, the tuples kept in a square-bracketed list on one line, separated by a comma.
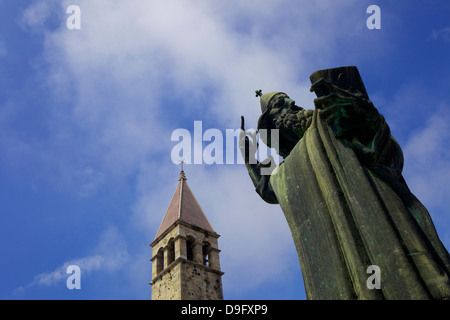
[(280, 112)]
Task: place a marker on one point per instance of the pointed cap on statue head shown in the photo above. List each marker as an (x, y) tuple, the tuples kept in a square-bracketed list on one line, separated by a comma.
[(266, 98)]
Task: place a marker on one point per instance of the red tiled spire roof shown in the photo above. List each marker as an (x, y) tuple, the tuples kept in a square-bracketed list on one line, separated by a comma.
[(184, 207)]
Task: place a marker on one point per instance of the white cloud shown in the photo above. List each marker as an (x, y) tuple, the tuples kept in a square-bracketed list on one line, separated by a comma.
[(427, 159), (427, 168), (59, 275), (191, 50), (110, 255), (133, 72), (36, 14), (443, 34), (91, 180)]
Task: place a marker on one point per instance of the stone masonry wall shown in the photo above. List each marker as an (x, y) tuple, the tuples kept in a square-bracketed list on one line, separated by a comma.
[(200, 282)]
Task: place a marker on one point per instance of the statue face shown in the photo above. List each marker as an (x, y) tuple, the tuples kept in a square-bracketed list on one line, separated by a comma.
[(288, 118), (281, 101)]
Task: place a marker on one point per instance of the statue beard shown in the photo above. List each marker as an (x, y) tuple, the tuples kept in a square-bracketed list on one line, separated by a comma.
[(292, 124)]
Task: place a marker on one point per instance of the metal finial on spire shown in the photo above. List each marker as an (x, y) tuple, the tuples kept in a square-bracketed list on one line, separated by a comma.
[(258, 93), (182, 175), (181, 161)]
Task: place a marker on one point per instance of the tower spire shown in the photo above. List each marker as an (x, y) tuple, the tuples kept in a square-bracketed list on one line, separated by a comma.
[(185, 261)]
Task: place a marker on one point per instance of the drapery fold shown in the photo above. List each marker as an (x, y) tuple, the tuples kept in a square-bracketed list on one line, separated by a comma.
[(346, 213)]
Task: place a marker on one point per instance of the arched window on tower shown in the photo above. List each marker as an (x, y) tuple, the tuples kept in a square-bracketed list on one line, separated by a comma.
[(206, 248), (170, 251), (190, 249), (160, 260)]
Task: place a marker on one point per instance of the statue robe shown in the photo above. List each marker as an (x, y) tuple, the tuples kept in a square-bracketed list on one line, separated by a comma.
[(346, 216)]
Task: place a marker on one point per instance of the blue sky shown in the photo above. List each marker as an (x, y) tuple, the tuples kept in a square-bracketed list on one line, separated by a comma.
[(86, 118)]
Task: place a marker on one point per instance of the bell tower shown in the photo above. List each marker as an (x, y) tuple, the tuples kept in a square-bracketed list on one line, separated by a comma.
[(185, 261)]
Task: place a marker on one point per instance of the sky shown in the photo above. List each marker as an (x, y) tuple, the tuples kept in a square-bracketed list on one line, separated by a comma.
[(87, 116)]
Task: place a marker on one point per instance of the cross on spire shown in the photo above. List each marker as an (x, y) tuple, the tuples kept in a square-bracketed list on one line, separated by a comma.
[(182, 176), (181, 163)]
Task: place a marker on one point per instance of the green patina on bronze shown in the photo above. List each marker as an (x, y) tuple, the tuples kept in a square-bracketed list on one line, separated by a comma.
[(344, 197)]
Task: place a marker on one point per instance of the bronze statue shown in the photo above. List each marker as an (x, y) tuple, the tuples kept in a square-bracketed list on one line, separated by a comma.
[(341, 189)]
